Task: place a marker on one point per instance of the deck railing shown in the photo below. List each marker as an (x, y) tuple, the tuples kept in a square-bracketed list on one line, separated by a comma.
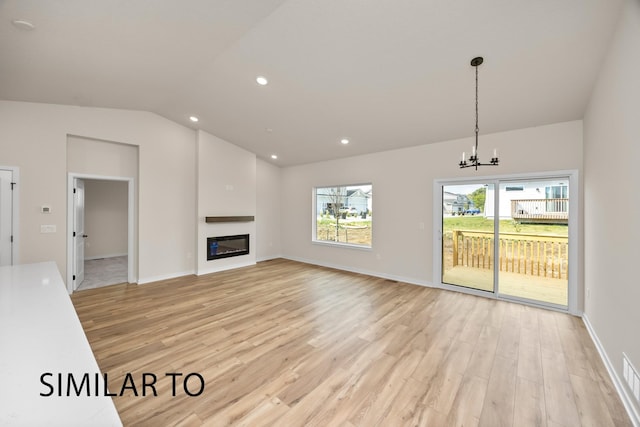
[(547, 210), (532, 254)]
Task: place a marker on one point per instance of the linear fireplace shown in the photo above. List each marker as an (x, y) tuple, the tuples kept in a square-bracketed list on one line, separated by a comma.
[(227, 246)]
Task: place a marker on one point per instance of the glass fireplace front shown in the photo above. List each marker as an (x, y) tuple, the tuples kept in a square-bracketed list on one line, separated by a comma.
[(227, 246)]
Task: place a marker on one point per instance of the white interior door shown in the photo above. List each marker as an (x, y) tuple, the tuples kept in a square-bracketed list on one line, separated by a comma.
[(78, 232), (6, 218)]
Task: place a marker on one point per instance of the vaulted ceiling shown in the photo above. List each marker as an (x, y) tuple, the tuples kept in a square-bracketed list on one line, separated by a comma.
[(384, 73)]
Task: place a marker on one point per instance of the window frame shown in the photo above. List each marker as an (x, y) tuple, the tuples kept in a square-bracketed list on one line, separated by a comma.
[(314, 221)]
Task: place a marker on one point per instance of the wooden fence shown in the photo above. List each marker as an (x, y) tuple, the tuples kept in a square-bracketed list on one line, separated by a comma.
[(533, 254)]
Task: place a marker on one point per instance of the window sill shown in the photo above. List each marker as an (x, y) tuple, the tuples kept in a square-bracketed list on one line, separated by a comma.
[(342, 245)]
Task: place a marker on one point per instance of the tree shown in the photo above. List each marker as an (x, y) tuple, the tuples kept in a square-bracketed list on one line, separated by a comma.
[(478, 197), (337, 196)]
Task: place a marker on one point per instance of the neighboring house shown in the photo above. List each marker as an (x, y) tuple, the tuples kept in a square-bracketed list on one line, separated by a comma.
[(456, 203), (531, 201), (357, 198)]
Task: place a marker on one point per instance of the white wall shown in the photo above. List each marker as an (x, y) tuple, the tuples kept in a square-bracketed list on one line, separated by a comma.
[(106, 158), (105, 216), (612, 235), (268, 208), (403, 186), (226, 187), (34, 138)]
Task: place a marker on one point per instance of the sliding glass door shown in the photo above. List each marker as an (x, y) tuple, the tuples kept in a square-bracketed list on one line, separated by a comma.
[(507, 237), (533, 240), (467, 237)]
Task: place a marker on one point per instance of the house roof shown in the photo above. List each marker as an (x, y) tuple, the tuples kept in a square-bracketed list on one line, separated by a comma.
[(357, 193), (385, 74)]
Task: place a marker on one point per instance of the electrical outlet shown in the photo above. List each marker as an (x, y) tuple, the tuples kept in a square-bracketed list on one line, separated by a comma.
[(625, 369), (631, 376)]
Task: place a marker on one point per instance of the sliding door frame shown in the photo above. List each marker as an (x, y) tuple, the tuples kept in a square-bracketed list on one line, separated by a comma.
[(574, 275)]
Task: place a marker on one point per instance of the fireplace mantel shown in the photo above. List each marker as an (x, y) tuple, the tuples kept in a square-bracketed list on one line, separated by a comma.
[(229, 218)]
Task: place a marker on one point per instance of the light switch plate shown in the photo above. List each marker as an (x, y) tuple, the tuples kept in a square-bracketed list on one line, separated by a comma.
[(51, 228)]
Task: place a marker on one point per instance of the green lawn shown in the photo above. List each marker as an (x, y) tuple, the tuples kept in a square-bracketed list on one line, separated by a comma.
[(480, 223)]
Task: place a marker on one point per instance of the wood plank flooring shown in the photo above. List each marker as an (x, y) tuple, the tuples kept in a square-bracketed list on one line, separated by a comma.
[(289, 344)]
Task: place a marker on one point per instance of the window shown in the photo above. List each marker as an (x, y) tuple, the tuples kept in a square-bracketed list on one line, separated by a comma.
[(556, 192), (557, 198), (343, 215)]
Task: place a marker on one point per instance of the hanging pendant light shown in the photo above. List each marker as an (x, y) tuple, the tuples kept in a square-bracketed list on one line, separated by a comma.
[(474, 160)]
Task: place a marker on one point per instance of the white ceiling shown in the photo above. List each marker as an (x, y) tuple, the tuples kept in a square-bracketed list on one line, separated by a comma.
[(385, 73)]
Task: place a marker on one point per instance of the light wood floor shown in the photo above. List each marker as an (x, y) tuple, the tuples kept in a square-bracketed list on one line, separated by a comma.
[(290, 344)]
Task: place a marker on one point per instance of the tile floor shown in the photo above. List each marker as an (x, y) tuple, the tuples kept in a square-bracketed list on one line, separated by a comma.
[(104, 272)]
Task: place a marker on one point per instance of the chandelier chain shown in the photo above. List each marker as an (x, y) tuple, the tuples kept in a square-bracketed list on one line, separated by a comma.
[(477, 129), (474, 159)]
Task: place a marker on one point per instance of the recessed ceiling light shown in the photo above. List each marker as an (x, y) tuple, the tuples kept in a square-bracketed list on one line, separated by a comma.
[(194, 119), (23, 25), (344, 141), (262, 81), (273, 156)]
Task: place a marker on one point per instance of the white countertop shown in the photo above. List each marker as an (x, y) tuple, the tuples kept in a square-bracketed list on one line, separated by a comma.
[(40, 332)]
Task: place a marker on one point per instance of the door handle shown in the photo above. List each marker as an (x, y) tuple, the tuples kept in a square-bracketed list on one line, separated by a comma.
[(84, 235)]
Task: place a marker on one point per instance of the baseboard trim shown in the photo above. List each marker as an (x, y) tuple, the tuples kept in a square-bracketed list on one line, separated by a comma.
[(165, 277), (104, 256), (268, 258), (402, 279), (217, 269), (620, 388)]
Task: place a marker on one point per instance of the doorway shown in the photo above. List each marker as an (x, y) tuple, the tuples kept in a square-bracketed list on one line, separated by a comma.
[(8, 215), (101, 231), (508, 238)]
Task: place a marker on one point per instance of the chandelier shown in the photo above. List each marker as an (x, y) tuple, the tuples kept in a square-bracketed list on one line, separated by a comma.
[(474, 160)]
